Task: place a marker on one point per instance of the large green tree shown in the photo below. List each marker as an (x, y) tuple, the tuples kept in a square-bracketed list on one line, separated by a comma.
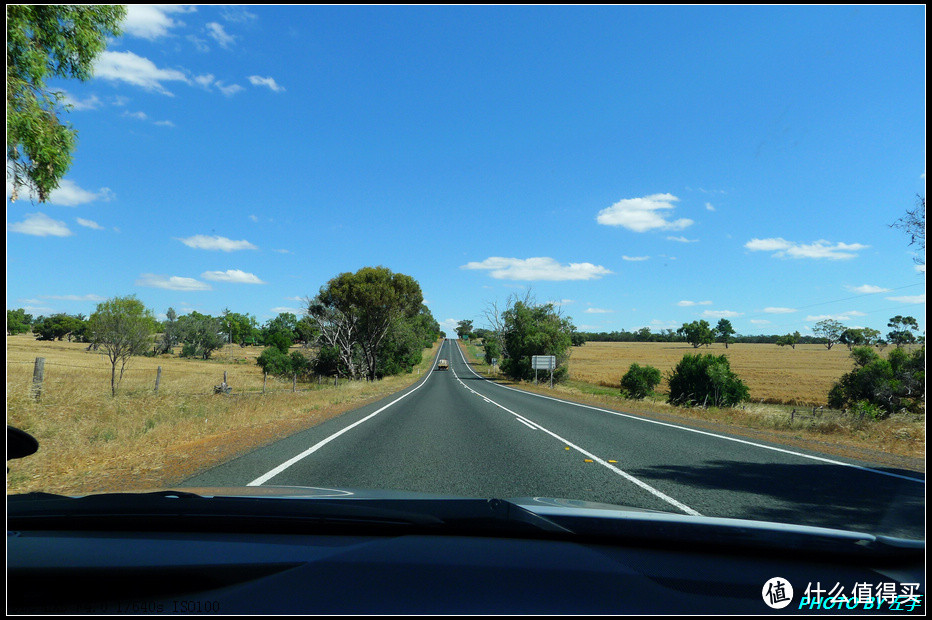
[(354, 312), (829, 330), (122, 326), (534, 329), (697, 333), (48, 41)]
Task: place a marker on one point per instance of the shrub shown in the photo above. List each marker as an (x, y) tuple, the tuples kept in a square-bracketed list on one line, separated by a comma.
[(639, 381), (891, 384), (274, 362), (706, 380)]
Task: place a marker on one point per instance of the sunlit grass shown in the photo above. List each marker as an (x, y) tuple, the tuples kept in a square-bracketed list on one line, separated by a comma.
[(91, 441)]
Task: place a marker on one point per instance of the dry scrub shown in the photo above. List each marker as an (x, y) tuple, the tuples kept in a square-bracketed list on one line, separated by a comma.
[(92, 442)]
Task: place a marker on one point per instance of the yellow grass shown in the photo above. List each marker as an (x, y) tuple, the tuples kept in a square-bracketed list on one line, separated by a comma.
[(800, 376), (91, 441)]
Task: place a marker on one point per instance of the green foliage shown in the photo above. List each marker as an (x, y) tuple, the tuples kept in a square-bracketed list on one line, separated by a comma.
[(789, 340), (529, 330), (578, 339), (829, 331), (891, 384), (273, 361), (464, 329), (354, 312), (491, 350), (697, 333), (122, 326), (903, 328), (639, 381), (240, 328), (201, 331), (48, 41), (18, 322), (724, 332), (57, 326), (706, 380)]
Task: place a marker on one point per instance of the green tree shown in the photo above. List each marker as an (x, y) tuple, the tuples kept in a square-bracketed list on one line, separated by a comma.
[(463, 329), (724, 332), (18, 322), (706, 380), (356, 310), (48, 41), (828, 330), (697, 333), (639, 381), (789, 340), (57, 326), (241, 329), (903, 328), (123, 327), (531, 329), (274, 361), (201, 333)]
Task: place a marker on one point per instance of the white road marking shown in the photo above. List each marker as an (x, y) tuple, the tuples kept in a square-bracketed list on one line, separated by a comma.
[(317, 446), (693, 430), (566, 442)]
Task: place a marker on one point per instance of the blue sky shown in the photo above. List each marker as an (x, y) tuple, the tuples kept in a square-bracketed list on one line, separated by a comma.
[(641, 166)]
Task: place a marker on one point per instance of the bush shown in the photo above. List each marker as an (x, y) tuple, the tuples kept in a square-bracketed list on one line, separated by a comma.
[(890, 385), (274, 362), (706, 380), (639, 381)]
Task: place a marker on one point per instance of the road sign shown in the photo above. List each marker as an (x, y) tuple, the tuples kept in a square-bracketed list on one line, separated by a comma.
[(543, 362)]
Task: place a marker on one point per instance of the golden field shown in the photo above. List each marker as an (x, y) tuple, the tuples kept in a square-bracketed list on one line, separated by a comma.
[(91, 441), (779, 375)]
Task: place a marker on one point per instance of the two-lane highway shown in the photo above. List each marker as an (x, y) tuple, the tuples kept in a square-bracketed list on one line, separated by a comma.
[(459, 434)]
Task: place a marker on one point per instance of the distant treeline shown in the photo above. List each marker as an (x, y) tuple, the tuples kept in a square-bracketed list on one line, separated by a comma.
[(669, 335)]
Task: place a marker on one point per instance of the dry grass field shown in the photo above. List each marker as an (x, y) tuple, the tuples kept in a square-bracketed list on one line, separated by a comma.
[(92, 442), (779, 375)]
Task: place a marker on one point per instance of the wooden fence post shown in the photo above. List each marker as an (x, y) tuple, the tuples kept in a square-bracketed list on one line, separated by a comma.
[(38, 374), (158, 377)]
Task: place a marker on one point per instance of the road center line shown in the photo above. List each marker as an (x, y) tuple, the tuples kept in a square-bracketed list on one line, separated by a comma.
[(320, 444), (588, 454), (693, 430)]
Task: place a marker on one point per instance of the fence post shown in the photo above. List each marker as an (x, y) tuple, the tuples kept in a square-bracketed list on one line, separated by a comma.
[(294, 382), (158, 377), (265, 377), (38, 374)]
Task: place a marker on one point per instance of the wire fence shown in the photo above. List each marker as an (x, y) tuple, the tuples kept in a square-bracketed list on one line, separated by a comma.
[(160, 380)]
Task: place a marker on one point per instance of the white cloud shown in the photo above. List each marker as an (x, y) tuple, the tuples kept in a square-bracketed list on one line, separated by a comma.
[(90, 297), (90, 103), (198, 43), (285, 309), (172, 283), (40, 225), (910, 299), (136, 70), (778, 310), (216, 32), (820, 249), (598, 311), (204, 80), (230, 90), (686, 303), (255, 80), (867, 289), (541, 268), (88, 223), (67, 194), (709, 207), (204, 242), (165, 123), (760, 321), (721, 314), (232, 275), (137, 115), (844, 316), (148, 21), (682, 239), (635, 258), (642, 214)]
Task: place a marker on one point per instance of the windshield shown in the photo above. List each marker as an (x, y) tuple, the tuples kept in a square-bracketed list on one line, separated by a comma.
[(665, 258)]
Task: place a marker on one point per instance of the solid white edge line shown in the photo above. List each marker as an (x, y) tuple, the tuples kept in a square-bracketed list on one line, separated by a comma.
[(693, 430), (271, 474), (655, 492)]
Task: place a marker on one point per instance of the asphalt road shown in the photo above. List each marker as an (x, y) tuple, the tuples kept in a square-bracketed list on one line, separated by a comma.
[(456, 433)]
